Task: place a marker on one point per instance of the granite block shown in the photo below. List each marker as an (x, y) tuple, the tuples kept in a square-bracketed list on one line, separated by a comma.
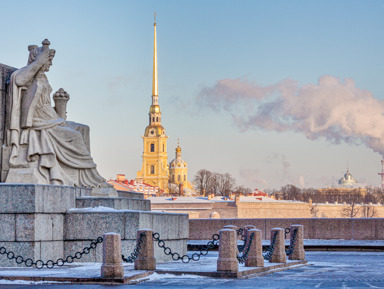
[(39, 227), (51, 250), (115, 203), (125, 194), (7, 227), (31, 198), (80, 225)]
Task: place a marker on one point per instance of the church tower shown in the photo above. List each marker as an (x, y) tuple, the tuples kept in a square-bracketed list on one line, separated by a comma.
[(154, 170)]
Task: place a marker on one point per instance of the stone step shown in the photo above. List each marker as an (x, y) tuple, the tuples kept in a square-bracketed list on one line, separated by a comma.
[(126, 194), (115, 203)]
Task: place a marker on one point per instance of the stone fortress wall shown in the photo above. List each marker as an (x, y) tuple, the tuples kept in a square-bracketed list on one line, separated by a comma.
[(263, 209)]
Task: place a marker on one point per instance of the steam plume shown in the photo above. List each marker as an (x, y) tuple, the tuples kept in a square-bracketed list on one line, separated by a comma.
[(332, 109)]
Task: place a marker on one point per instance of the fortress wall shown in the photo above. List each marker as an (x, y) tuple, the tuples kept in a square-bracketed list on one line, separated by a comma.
[(314, 228)]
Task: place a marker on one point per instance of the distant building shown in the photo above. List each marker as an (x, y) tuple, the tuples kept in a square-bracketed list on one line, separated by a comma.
[(122, 184), (347, 180), (154, 169)]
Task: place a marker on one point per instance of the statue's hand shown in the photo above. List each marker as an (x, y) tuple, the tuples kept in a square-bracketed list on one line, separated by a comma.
[(43, 57)]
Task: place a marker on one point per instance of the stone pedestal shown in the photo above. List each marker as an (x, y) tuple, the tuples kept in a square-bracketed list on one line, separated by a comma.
[(227, 261), (255, 254), (279, 255), (112, 263), (298, 252), (146, 259), (248, 227)]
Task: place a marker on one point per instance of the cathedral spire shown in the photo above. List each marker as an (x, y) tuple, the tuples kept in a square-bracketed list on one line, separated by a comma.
[(154, 76)]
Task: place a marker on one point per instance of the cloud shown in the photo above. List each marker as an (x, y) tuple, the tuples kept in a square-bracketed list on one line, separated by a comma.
[(253, 177), (332, 109)]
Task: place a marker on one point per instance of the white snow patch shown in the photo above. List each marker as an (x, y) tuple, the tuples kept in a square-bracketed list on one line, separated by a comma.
[(95, 209), (156, 276)]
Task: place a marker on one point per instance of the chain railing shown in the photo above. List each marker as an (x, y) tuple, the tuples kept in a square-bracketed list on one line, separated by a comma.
[(286, 232), (291, 248), (136, 251), (268, 254), (245, 252), (241, 232), (186, 258), (39, 264)]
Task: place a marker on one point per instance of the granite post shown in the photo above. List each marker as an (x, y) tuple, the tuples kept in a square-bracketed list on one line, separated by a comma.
[(279, 255), (146, 259), (112, 263), (227, 261), (255, 254), (298, 252)]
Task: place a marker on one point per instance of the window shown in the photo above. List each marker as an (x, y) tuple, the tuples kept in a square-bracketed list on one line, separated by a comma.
[(163, 147), (152, 147), (173, 178), (185, 178), (157, 119), (179, 178), (153, 119), (152, 170)]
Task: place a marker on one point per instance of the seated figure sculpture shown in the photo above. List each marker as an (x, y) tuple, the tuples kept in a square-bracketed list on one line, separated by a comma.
[(42, 147)]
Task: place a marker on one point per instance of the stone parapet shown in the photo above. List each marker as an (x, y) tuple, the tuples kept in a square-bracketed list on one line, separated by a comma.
[(115, 203)]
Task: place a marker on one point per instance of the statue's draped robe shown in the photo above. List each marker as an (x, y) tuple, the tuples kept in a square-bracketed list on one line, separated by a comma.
[(63, 157)]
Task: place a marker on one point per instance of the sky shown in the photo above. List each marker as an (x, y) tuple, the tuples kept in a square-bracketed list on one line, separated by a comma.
[(272, 92)]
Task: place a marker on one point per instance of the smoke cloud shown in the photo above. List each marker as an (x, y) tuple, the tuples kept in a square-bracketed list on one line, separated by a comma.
[(332, 109)]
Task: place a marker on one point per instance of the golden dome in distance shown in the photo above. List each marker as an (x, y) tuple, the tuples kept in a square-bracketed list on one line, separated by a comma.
[(154, 108)]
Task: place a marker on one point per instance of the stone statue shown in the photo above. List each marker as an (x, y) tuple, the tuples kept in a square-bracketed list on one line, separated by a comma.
[(41, 146)]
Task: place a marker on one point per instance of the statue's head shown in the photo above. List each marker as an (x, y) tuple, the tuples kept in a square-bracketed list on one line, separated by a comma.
[(34, 52)]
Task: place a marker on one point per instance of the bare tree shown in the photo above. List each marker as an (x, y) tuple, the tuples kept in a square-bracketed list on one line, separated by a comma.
[(203, 181), (352, 209), (242, 190), (369, 211), (224, 184)]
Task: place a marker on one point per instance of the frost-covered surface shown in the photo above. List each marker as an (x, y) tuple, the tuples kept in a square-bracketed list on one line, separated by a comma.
[(94, 209), (327, 270)]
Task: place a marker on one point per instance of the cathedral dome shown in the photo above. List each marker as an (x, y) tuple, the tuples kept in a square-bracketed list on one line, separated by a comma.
[(154, 130)]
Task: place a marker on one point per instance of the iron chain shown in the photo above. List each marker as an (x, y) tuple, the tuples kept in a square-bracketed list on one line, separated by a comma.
[(269, 252), (136, 251), (244, 256), (186, 258), (39, 264), (292, 244)]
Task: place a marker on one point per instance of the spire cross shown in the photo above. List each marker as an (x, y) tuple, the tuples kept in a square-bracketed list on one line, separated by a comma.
[(154, 16)]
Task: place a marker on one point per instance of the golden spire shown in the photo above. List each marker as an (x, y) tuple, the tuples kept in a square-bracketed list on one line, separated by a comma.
[(154, 77)]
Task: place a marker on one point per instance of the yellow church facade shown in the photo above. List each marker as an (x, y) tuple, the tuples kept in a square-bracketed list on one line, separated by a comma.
[(155, 170)]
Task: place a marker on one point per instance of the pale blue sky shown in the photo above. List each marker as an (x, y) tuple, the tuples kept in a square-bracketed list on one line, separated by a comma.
[(104, 61)]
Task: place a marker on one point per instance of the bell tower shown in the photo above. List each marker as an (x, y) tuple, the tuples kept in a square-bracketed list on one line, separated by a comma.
[(154, 170)]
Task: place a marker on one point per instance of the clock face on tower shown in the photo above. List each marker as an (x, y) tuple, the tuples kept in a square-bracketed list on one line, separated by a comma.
[(152, 131)]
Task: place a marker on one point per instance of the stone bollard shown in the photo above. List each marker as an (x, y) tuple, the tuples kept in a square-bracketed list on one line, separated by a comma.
[(146, 259), (298, 252), (279, 255), (255, 254), (232, 227), (227, 260), (112, 263)]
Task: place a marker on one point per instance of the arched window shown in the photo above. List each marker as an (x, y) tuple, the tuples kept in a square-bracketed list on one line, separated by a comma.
[(179, 178), (152, 147), (173, 178), (153, 119), (157, 119), (152, 170), (163, 147), (185, 178)]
